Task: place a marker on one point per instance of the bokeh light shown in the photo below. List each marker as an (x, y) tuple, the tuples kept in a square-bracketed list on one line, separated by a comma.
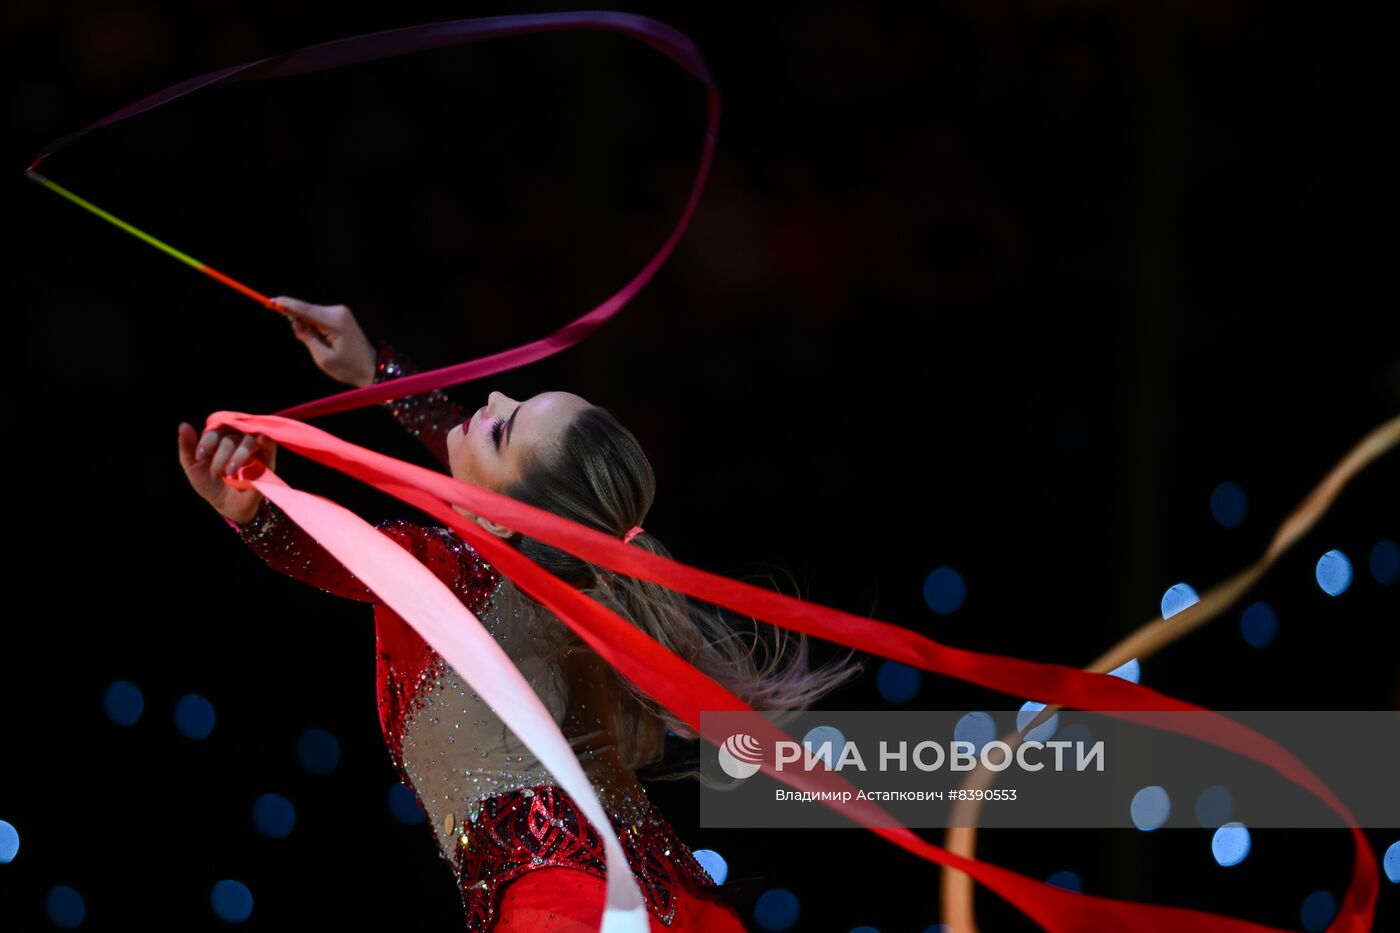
[(318, 751), (1214, 806), (1392, 862), (274, 816), (1259, 624), (65, 906), (977, 728), (9, 842), (1333, 573), (1228, 504), (827, 743), (194, 716), (945, 590), (1150, 808), (404, 805), (1318, 910), (1178, 597), (1131, 672), (776, 909), (123, 702), (1067, 880), (231, 901), (713, 863), (1385, 562), (1041, 733), (898, 682), (1230, 844)]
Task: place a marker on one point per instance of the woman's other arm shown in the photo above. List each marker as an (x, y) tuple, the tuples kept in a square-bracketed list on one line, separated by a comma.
[(287, 548)]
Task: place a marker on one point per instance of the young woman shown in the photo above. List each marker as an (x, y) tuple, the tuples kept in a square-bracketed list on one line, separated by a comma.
[(524, 856)]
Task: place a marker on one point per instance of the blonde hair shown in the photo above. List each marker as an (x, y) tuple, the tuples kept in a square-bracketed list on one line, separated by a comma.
[(596, 473)]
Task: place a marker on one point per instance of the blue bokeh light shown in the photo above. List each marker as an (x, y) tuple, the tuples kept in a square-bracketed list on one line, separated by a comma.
[(938, 928), (977, 728), (404, 805), (1131, 672), (1067, 880), (864, 929), (1041, 733), (1333, 573), (1392, 862), (318, 751), (1076, 732), (1259, 624), (123, 702), (1318, 910), (1228, 504), (776, 909), (1178, 597), (65, 906), (274, 816), (945, 590), (826, 743), (231, 901), (1214, 806), (713, 863), (898, 682), (194, 716), (9, 842), (1150, 808), (1385, 562), (1230, 844)]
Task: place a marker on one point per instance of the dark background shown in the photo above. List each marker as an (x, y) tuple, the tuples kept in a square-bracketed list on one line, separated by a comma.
[(1002, 286)]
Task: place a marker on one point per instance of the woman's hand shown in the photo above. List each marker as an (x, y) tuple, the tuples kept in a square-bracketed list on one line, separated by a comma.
[(337, 344), (220, 452)]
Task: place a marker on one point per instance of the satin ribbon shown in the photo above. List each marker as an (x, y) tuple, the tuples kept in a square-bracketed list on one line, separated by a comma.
[(670, 680)]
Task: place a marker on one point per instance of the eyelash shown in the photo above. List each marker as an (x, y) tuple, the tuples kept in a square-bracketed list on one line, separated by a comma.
[(496, 427)]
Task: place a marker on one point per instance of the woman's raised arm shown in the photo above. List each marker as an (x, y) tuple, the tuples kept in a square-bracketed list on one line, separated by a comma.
[(338, 344)]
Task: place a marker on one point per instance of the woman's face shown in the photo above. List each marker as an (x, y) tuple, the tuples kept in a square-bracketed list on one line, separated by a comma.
[(488, 449)]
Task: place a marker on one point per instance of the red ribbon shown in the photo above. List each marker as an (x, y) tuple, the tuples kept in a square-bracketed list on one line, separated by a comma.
[(676, 684), (686, 691)]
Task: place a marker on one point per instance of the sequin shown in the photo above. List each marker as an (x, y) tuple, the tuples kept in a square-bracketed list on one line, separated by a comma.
[(494, 810)]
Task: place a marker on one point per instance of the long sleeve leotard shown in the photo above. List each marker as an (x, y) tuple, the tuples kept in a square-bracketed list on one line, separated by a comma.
[(495, 811)]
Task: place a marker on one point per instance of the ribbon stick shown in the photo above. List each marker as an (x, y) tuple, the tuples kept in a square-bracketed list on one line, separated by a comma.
[(163, 247), (684, 690)]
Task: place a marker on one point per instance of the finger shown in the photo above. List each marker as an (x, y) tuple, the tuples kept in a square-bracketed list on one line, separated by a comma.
[(227, 445), (187, 438), (306, 311), (206, 444), (246, 448), (310, 334)]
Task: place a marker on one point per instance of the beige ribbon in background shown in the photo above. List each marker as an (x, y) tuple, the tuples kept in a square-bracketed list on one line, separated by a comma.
[(957, 887)]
